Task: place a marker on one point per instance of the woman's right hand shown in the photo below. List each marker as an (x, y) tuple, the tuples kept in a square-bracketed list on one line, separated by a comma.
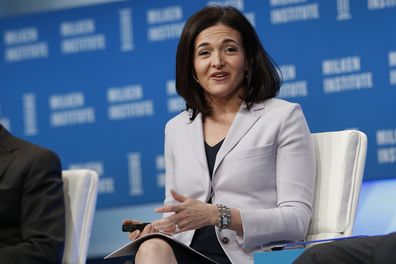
[(148, 229)]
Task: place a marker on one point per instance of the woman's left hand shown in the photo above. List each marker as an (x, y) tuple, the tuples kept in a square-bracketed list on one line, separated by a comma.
[(190, 214)]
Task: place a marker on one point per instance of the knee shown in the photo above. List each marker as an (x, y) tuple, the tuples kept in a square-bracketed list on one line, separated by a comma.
[(154, 248)]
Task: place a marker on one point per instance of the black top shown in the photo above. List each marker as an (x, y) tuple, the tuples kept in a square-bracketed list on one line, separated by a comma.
[(211, 152), (205, 240)]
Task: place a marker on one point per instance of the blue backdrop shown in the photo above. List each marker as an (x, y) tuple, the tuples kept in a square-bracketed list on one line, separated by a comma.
[(96, 84)]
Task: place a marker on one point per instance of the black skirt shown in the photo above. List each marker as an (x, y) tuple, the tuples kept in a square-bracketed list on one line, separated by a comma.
[(205, 242)]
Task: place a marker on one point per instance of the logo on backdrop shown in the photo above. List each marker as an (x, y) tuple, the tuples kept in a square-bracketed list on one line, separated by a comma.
[(343, 12), (291, 87), (80, 36), (392, 64), (286, 11), (126, 29), (24, 44), (386, 142), (345, 74), (106, 184), (380, 4), (160, 166), (127, 102), (69, 109), (175, 103), (135, 174), (29, 114), (164, 23), (239, 4)]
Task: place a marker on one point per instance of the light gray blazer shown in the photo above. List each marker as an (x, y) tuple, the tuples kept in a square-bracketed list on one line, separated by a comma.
[(265, 167)]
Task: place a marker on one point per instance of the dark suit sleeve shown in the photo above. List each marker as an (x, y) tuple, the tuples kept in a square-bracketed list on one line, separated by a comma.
[(347, 251), (42, 220)]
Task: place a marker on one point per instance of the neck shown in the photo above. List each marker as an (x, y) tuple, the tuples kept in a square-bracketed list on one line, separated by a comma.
[(220, 109), (224, 113), (225, 106)]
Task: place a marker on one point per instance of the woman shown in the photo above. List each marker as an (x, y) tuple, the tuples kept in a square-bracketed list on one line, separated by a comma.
[(239, 164)]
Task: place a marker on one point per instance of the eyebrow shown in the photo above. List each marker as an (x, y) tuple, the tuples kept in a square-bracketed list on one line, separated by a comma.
[(225, 41)]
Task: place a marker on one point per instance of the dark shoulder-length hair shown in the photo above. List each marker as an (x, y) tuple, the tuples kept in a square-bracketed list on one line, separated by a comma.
[(262, 79)]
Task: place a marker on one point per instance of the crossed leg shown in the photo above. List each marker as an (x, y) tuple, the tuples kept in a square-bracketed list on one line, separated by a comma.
[(155, 250)]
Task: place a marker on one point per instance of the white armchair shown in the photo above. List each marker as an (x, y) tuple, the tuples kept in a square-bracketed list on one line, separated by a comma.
[(80, 188), (340, 161)]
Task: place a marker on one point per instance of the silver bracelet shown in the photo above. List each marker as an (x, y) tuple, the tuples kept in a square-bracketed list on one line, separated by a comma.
[(224, 219)]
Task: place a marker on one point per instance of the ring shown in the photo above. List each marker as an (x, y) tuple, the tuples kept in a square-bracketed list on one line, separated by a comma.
[(177, 228)]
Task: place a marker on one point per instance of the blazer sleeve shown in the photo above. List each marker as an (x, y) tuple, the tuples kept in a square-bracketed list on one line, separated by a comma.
[(169, 165), (295, 176), (42, 219)]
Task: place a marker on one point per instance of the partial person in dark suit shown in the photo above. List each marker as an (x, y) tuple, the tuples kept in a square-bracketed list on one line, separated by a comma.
[(32, 213), (373, 250)]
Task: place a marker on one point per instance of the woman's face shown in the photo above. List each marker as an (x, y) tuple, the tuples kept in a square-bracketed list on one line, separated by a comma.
[(219, 62)]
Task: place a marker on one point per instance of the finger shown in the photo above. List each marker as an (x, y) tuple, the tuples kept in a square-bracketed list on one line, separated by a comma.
[(163, 223), (146, 230), (133, 235), (169, 229), (168, 209), (178, 197), (165, 228), (168, 225), (186, 225), (129, 221)]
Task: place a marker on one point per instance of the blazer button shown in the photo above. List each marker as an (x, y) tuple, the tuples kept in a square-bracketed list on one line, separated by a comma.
[(225, 240)]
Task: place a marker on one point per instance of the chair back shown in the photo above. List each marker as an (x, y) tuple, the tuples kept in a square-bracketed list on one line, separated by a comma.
[(340, 161), (80, 189)]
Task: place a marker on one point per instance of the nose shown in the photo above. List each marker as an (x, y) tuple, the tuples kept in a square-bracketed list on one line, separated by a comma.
[(217, 60)]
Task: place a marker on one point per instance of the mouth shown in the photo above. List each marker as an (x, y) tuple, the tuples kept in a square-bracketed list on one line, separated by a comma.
[(219, 76)]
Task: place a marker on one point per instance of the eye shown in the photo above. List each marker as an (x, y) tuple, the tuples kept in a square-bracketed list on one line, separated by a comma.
[(231, 49), (203, 53)]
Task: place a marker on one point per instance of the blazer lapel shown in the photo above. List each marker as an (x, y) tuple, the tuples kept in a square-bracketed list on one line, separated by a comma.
[(243, 122), (195, 134), (5, 160), (6, 150)]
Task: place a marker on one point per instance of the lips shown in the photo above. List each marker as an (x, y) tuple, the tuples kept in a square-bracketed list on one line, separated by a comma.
[(219, 75)]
